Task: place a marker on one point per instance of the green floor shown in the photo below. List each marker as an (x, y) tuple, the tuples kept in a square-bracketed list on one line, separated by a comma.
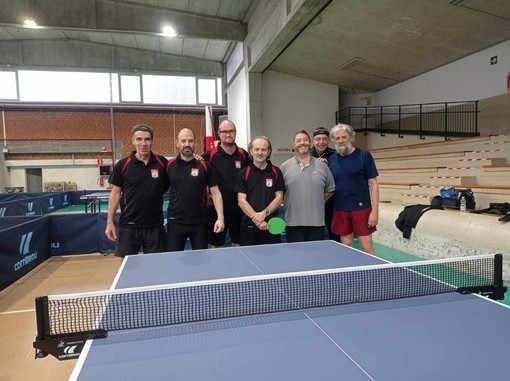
[(75, 209), (395, 256)]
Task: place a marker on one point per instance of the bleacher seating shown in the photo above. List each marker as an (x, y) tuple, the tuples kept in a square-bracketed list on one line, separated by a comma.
[(414, 174)]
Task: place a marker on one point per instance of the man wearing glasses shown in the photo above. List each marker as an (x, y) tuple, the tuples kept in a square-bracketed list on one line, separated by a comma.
[(227, 159)]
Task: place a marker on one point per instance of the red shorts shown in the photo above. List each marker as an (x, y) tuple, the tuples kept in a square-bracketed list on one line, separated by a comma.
[(356, 221)]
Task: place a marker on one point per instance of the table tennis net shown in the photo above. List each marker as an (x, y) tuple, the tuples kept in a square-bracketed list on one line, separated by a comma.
[(219, 299)]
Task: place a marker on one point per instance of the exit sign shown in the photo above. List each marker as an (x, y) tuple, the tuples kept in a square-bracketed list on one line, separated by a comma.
[(494, 60)]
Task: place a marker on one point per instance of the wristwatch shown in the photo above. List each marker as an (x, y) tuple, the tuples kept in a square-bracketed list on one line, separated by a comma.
[(267, 212)]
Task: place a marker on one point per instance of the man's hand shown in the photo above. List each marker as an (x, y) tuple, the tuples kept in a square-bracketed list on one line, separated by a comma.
[(373, 219), (258, 218), (263, 226), (219, 226), (111, 232)]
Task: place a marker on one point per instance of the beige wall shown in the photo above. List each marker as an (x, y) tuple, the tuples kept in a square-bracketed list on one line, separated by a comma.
[(494, 117)]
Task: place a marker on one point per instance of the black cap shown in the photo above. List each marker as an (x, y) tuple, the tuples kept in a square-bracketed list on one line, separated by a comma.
[(320, 131)]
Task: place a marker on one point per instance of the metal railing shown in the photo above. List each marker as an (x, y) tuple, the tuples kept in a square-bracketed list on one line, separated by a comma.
[(448, 119)]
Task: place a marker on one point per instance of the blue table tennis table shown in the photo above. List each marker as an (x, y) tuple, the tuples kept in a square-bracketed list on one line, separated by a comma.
[(438, 337)]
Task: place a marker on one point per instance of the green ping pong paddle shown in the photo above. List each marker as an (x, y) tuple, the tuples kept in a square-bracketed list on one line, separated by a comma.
[(276, 225)]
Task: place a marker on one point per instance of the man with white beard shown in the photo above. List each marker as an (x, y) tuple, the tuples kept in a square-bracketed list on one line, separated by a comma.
[(356, 199)]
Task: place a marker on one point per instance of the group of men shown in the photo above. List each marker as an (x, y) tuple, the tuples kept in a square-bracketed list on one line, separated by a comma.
[(230, 189)]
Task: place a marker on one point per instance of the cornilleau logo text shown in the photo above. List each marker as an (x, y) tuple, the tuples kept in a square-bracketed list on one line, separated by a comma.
[(24, 249), (30, 209), (24, 245), (51, 207), (2, 212), (70, 349)]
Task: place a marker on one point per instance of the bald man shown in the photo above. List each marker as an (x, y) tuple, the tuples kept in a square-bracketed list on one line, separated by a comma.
[(187, 207)]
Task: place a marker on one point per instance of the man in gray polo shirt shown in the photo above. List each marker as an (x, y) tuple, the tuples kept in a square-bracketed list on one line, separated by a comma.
[(309, 184)]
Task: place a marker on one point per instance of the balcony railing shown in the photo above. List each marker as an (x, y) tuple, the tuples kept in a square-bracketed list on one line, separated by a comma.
[(448, 119)]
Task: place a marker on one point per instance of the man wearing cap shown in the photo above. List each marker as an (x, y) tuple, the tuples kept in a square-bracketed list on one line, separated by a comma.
[(322, 151), (138, 184), (309, 183)]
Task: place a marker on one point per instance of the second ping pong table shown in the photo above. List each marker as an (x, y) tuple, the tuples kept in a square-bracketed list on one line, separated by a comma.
[(437, 337), (93, 201)]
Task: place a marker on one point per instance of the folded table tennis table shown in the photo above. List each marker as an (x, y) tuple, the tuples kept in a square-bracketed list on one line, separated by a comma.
[(448, 336)]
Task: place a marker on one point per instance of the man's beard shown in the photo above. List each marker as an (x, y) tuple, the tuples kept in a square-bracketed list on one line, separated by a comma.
[(304, 147), (343, 150), (187, 152)]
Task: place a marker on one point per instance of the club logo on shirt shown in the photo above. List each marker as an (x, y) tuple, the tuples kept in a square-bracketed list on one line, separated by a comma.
[(238, 164), (269, 183), (154, 173), (194, 172)]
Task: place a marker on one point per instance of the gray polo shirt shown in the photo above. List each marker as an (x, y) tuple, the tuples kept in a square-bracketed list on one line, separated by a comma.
[(304, 198)]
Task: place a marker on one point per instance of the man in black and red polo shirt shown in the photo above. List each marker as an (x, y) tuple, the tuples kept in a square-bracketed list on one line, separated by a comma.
[(187, 206), (260, 188), (138, 184), (227, 159)]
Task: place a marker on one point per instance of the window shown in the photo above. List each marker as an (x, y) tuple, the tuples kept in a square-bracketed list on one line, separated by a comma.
[(130, 88), (207, 91), (64, 86), (161, 89), (8, 89), (56, 86)]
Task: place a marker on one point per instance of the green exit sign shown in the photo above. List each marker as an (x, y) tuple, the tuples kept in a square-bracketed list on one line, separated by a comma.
[(494, 60)]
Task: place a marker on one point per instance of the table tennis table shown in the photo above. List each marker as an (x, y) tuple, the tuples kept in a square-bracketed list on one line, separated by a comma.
[(93, 201), (447, 336)]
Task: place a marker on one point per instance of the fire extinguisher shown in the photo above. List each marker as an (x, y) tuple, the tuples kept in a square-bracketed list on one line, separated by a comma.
[(508, 83), (101, 182)]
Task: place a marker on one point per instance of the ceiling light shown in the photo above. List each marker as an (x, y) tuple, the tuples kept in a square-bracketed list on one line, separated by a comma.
[(29, 23), (316, 21), (351, 63), (169, 31), (458, 2)]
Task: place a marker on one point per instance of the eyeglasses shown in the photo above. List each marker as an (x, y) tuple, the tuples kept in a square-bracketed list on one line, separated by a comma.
[(229, 132)]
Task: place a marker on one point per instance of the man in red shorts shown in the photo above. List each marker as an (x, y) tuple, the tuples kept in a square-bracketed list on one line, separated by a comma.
[(356, 199)]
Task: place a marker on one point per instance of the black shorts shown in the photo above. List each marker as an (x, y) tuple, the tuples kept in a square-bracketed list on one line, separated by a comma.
[(178, 234), (132, 240), (232, 224), (251, 235)]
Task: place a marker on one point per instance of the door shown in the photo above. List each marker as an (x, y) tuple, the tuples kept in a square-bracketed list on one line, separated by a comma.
[(34, 179)]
